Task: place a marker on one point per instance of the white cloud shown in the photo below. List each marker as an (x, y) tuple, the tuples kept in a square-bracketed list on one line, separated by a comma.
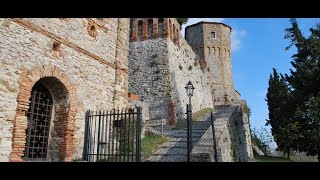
[(236, 36), (196, 20)]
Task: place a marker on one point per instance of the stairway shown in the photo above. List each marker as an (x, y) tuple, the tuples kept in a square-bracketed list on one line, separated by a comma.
[(175, 150)]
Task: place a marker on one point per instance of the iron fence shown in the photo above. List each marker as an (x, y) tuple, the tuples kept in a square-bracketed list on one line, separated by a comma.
[(113, 136)]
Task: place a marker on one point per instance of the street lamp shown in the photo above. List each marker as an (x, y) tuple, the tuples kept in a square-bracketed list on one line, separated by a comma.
[(189, 88)]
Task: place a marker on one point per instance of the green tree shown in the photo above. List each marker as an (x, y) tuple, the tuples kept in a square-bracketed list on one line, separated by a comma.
[(281, 113), (313, 135), (304, 83), (182, 21)]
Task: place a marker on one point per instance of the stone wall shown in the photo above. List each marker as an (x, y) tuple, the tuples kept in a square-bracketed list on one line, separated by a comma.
[(185, 67), (244, 132), (159, 71), (232, 134), (224, 137), (84, 65), (88, 56), (149, 75)]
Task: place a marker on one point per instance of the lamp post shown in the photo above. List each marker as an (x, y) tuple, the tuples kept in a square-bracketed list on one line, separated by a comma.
[(189, 88)]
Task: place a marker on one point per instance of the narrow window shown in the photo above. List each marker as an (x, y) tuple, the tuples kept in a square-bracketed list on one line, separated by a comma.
[(213, 35)]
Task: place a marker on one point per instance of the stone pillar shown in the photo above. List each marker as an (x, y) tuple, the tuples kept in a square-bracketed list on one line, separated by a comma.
[(165, 27), (145, 29), (171, 29), (134, 30), (121, 72), (155, 28)]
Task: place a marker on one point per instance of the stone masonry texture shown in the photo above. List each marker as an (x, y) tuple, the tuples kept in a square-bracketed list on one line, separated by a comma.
[(213, 46), (100, 63), (83, 63), (160, 66), (159, 71), (232, 133)]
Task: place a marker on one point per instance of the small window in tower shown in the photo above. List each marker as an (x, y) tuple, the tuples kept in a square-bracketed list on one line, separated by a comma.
[(213, 35)]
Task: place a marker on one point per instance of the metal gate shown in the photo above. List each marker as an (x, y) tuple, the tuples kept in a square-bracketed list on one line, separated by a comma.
[(113, 136), (39, 115)]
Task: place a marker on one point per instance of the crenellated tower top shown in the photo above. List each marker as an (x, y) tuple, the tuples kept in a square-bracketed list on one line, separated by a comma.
[(142, 29)]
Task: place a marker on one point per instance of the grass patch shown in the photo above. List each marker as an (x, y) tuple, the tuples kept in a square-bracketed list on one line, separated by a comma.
[(182, 123), (151, 143), (200, 114), (271, 159)]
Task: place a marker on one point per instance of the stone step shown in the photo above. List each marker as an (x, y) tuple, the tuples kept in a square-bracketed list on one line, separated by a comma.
[(201, 126), (170, 151), (182, 137), (184, 133), (204, 146), (179, 136), (194, 131), (184, 140), (174, 144), (198, 131), (177, 158), (202, 123), (177, 139), (206, 120), (175, 150)]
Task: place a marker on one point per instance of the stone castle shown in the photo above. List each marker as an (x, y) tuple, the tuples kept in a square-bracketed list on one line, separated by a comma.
[(161, 62), (103, 63)]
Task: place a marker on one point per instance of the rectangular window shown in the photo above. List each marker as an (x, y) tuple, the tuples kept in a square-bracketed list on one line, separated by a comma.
[(213, 35)]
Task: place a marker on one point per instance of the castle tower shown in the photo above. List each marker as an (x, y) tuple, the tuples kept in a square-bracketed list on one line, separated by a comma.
[(142, 29), (211, 42), (149, 65)]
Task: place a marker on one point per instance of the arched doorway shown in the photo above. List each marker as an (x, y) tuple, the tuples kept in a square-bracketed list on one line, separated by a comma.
[(58, 143), (39, 119), (47, 121)]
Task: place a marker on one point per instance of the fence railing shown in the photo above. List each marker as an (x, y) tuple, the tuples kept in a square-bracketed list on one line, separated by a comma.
[(113, 136)]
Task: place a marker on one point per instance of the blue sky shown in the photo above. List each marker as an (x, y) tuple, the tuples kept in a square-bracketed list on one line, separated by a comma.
[(258, 45)]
